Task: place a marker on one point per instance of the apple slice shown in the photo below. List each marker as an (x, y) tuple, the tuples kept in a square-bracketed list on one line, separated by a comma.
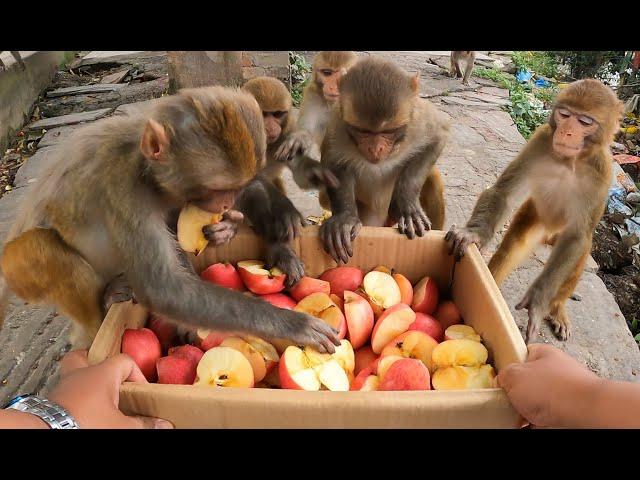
[(383, 364), (343, 278), (377, 309), (383, 269), (338, 301), (467, 353), (429, 325), (208, 339), (268, 351), (425, 296), (406, 374), (345, 356), (359, 318), (306, 369), (448, 314), (391, 323), (190, 223), (319, 305), (224, 275), (406, 290), (363, 357), (366, 380), (255, 358), (224, 367), (259, 280), (279, 300), (412, 344), (382, 289), (307, 285), (462, 378), (457, 332)]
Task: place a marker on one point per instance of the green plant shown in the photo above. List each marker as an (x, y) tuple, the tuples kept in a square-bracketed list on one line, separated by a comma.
[(542, 63), (300, 70)]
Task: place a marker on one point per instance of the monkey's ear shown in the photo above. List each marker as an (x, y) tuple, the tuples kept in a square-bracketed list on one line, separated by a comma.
[(415, 83), (154, 141)]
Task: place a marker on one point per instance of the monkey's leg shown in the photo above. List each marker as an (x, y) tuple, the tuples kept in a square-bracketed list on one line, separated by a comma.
[(452, 70), (432, 199), (558, 316), (323, 197), (41, 268), (524, 233), (467, 71), (458, 70)]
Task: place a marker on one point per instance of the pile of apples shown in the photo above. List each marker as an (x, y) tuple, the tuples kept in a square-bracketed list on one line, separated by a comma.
[(394, 336)]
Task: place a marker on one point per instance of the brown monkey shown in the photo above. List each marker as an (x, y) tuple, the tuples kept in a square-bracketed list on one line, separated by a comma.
[(103, 212), (322, 92), (462, 56), (382, 142), (565, 169), (18, 59)]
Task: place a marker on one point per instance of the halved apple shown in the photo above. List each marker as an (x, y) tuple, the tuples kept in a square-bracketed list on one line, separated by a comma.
[(208, 339), (256, 359), (412, 344), (224, 275), (345, 356), (321, 306), (366, 380), (382, 289), (459, 377), (406, 374), (364, 357), (429, 325), (224, 367), (279, 300), (391, 323), (338, 301), (457, 332), (466, 353), (448, 314), (343, 278), (190, 223), (306, 369), (359, 317), (425, 296), (306, 286), (406, 289), (258, 279)]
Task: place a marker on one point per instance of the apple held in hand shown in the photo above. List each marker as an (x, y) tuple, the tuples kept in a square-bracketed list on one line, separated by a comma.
[(223, 275), (259, 280), (224, 367), (343, 278), (143, 346), (190, 223), (306, 369)]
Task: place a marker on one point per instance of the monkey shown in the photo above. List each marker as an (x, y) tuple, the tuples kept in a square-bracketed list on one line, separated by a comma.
[(18, 59), (462, 56), (102, 214), (382, 143), (562, 174)]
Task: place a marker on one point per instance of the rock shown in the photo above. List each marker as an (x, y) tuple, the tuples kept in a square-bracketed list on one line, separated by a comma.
[(115, 77), (84, 89), (70, 119)]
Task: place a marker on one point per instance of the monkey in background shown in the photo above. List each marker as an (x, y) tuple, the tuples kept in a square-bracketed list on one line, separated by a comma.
[(102, 214), (382, 143), (462, 56), (18, 59), (564, 172)]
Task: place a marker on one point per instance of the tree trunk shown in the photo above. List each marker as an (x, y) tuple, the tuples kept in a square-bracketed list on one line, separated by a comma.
[(201, 69)]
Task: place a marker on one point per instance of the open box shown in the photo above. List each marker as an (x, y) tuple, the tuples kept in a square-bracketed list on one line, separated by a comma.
[(473, 290)]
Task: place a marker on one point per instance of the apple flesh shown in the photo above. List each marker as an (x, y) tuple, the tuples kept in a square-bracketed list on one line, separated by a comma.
[(251, 354), (377, 309), (429, 325), (364, 357), (391, 323), (382, 289), (306, 369), (279, 300), (412, 344), (425, 296), (143, 346), (457, 332), (343, 278), (319, 305), (175, 370), (164, 330), (366, 380), (359, 318), (306, 286), (224, 367), (267, 350), (345, 356), (190, 223), (448, 314), (406, 374), (338, 301), (383, 269), (406, 290), (466, 353), (223, 275), (462, 378), (259, 280)]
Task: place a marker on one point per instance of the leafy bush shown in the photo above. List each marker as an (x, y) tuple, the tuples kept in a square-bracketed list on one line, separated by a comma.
[(300, 70)]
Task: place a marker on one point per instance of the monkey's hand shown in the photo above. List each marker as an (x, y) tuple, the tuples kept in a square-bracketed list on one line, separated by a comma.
[(297, 143), (302, 329), (312, 174), (223, 231), (285, 222), (117, 290), (536, 301), (410, 216), (282, 256), (459, 239), (337, 233)]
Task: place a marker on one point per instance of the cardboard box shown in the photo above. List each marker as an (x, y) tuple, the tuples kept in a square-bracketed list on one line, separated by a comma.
[(473, 290)]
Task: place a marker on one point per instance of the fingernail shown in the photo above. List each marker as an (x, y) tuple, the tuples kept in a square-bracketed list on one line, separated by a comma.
[(162, 424)]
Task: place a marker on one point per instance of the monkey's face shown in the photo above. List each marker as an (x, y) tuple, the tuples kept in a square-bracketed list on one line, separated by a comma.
[(573, 131), (273, 123), (376, 146), (328, 80)]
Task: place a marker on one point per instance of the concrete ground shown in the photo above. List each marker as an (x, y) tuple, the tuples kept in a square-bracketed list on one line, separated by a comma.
[(483, 141)]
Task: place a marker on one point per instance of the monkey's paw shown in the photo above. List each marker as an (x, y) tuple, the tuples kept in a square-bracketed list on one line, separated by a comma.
[(411, 218), (117, 290), (537, 307), (459, 239), (286, 221), (560, 323), (319, 176), (337, 233), (223, 231), (304, 329), (297, 143), (282, 256)]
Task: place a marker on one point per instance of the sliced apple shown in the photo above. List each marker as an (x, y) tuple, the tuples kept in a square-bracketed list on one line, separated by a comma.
[(391, 323), (382, 289), (366, 380), (406, 289), (208, 339), (319, 305), (255, 358), (383, 364), (224, 367), (425, 296), (466, 353), (457, 332), (429, 325), (377, 309), (279, 300), (224, 275), (190, 223), (448, 314), (345, 356), (359, 318), (406, 374), (383, 269), (258, 279), (307, 285), (412, 344), (338, 301), (343, 278), (267, 350), (364, 357), (306, 369), (462, 378)]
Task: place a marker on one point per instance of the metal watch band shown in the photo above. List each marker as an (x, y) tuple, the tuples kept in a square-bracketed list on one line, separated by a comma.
[(52, 414)]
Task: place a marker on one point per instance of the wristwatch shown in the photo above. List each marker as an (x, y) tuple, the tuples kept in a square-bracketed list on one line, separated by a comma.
[(52, 414)]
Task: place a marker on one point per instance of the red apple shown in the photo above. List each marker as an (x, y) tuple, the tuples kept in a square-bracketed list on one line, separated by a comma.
[(279, 300), (413, 344), (364, 357), (259, 280), (406, 374), (391, 323), (224, 275), (429, 325), (406, 290), (144, 347), (343, 278), (338, 301), (366, 380), (448, 314), (210, 338), (176, 370), (425, 296), (359, 317), (306, 286), (191, 353), (164, 330), (319, 305)]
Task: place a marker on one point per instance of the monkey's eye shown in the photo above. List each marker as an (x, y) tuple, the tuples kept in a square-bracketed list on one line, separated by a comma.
[(326, 72), (584, 120), (279, 115), (564, 113)]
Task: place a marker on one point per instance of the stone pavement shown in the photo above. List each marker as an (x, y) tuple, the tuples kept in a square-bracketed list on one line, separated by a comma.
[(482, 143)]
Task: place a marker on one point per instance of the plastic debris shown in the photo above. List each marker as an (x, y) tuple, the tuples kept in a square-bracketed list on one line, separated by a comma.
[(633, 198), (623, 159), (523, 76), (542, 83), (622, 179), (616, 202)]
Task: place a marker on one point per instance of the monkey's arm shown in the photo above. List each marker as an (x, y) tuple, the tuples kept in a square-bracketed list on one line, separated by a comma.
[(166, 287), (405, 202)]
